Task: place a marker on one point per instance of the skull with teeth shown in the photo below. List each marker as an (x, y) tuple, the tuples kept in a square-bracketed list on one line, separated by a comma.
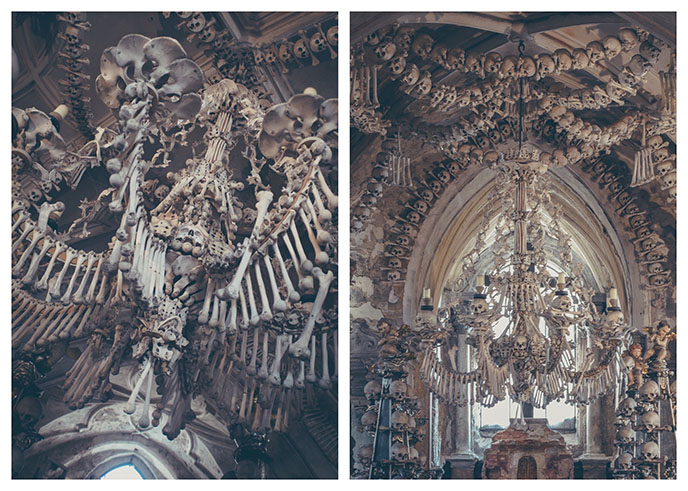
[(612, 47), (399, 452), (649, 391), (369, 418), (455, 58), (649, 451), (628, 37), (386, 51), (372, 390), (627, 407), (479, 306), (581, 60), (422, 45), (397, 65), (520, 346), (563, 60), (649, 422), (595, 51), (399, 420), (624, 461), (318, 42)]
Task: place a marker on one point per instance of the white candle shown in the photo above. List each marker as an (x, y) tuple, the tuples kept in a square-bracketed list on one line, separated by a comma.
[(480, 280), (561, 278), (426, 292), (612, 294), (62, 110)]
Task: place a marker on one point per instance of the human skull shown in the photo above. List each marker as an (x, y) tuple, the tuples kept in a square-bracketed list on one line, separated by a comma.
[(369, 418), (333, 35), (581, 60), (556, 113), (301, 49), (562, 302), (29, 410), (545, 65), (397, 389), (399, 420), (595, 51), (380, 173), (493, 62), (624, 461), (375, 188), (385, 52), (455, 58), (509, 67), (439, 54), (284, 52), (399, 452), (573, 155), (649, 421), (661, 154), (649, 391), (628, 37), (422, 45), (372, 390), (520, 346), (479, 306), (413, 454), (196, 23), (411, 74), (318, 42), (563, 60), (474, 63), (424, 85), (397, 65), (365, 454), (650, 52), (649, 451), (655, 142), (625, 435), (669, 180), (421, 206), (627, 407), (612, 47), (361, 213), (526, 67)]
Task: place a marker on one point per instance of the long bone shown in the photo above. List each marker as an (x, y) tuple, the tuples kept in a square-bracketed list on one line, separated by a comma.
[(300, 348), (140, 247), (292, 294), (68, 293), (204, 315), (51, 333), (323, 213), (232, 290), (311, 364), (35, 237), (30, 226), (20, 219), (306, 264), (79, 331), (278, 305), (288, 381), (274, 377), (149, 275), (323, 236), (48, 243), (40, 329), (232, 315), (263, 372), (266, 314), (54, 292), (321, 256), (144, 421), (242, 354), (158, 288), (78, 296), (244, 309), (299, 383), (100, 298), (253, 407), (26, 313), (332, 199), (305, 282), (255, 318), (267, 412), (251, 368), (324, 381), (215, 314), (130, 406)]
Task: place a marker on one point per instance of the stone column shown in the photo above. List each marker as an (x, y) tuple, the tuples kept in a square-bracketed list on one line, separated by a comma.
[(463, 459)]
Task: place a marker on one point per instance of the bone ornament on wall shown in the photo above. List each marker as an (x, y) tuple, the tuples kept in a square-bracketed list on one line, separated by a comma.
[(393, 416), (181, 289), (646, 412)]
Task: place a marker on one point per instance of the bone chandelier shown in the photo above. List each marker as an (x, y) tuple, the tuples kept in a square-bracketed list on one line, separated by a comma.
[(208, 296)]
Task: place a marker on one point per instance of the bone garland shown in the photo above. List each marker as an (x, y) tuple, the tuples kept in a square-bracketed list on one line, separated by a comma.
[(73, 58)]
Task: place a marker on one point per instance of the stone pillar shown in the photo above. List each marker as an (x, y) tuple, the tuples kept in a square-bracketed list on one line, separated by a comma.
[(463, 460), (593, 461)]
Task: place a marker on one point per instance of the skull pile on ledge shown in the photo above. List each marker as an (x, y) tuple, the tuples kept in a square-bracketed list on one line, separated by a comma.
[(208, 296)]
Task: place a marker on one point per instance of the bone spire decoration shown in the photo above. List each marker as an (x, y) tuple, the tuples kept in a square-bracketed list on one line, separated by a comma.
[(182, 289)]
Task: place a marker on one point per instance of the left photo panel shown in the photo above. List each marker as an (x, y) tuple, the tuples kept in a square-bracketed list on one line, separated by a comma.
[(174, 245)]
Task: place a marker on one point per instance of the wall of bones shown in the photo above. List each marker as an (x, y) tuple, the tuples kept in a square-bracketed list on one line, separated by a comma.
[(438, 102), (174, 244)]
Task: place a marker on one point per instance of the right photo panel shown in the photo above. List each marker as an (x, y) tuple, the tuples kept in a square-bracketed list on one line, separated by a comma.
[(513, 245)]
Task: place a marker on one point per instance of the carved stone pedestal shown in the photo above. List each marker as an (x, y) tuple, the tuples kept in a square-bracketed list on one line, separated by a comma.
[(528, 451)]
